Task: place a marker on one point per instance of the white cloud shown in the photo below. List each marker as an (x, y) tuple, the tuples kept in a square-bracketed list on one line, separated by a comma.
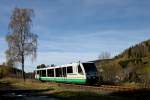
[(2, 57), (59, 58), (2, 50)]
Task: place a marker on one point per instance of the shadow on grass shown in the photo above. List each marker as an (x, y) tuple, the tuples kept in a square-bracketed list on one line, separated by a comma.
[(8, 92), (69, 95), (139, 94)]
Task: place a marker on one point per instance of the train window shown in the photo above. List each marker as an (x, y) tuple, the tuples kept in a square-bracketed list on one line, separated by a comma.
[(50, 72), (58, 72), (69, 69), (89, 67), (38, 72), (43, 73), (64, 71), (80, 70)]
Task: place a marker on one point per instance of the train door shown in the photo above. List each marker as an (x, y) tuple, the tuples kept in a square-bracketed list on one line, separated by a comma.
[(64, 74), (81, 71)]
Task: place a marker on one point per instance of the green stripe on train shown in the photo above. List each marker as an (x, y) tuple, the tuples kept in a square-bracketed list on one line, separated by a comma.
[(62, 79)]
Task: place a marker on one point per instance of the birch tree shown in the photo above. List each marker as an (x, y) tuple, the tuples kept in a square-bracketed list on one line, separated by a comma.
[(21, 41)]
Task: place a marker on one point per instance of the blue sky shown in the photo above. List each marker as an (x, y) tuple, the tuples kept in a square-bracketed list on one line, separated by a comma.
[(73, 30)]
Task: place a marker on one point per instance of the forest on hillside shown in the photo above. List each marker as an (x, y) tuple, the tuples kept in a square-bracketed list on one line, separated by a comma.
[(132, 65)]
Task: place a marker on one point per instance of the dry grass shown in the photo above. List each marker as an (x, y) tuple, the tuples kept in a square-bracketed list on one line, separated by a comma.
[(28, 84), (54, 90), (131, 84)]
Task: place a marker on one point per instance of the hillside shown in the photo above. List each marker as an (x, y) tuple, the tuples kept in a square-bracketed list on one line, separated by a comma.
[(137, 51), (138, 54), (132, 65), (7, 71)]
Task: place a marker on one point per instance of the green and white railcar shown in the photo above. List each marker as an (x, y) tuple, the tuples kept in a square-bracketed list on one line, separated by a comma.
[(80, 73)]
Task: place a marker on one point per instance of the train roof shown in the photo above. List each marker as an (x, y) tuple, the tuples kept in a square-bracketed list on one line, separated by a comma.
[(65, 65)]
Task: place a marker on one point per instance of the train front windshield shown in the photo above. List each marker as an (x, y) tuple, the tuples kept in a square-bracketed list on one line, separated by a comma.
[(89, 68)]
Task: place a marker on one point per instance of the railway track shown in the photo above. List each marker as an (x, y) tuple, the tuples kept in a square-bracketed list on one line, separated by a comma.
[(102, 88)]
